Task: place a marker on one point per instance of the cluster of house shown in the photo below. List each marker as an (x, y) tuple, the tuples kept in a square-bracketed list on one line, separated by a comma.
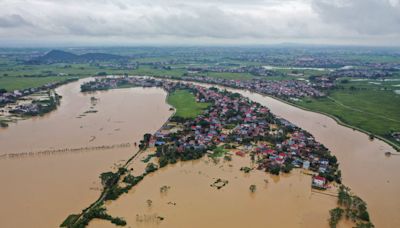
[(13, 96), (233, 119), (323, 82), (362, 73), (299, 150), (106, 83), (283, 89), (26, 109), (37, 106), (119, 65), (254, 70), (313, 61), (396, 136)]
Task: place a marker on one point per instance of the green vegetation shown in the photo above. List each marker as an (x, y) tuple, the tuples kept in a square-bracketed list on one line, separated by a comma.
[(71, 219), (148, 158), (370, 107), (352, 207), (274, 169), (3, 123), (96, 212), (148, 71), (218, 152), (246, 169), (14, 75), (16, 83), (185, 104), (151, 167), (253, 188), (335, 216)]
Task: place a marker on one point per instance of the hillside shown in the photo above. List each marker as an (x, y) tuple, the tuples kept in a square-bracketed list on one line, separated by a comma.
[(58, 56)]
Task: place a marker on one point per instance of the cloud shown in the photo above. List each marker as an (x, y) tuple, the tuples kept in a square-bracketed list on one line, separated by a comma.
[(370, 17), (199, 21), (12, 21)]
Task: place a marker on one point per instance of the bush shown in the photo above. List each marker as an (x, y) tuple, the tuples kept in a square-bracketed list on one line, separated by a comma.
[(287, 168), (253, 188), (274, 169), (163, 161), (151, 168)]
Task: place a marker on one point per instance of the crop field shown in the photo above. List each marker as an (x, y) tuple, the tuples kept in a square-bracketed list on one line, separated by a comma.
[(185, 104), (372, 107)]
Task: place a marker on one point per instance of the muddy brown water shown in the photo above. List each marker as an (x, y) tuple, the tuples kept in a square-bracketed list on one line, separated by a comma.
[(282, 201), (365, 168), (41, 191)]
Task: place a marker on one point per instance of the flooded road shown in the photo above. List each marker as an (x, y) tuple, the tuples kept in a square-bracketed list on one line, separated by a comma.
[(41, 191)]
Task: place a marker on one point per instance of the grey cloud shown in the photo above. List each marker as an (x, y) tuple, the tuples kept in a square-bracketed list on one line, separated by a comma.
[(12, 21), (371, 17), (199, 20)]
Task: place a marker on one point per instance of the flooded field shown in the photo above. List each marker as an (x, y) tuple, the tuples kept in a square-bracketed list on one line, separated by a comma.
[(40, 191), (190, 201)]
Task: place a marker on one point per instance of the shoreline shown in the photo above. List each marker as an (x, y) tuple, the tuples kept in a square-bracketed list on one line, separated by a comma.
[(15, 118)]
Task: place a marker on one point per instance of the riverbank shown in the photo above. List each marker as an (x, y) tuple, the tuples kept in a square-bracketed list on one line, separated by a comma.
[(367, 106), (18, 105)]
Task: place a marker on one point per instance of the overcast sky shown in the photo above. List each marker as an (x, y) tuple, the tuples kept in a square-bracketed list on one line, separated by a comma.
[(193, 22)]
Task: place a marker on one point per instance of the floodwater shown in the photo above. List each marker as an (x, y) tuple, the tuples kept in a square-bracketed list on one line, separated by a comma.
[(41, 191), (190, 201), (296, 68), (365, 168)]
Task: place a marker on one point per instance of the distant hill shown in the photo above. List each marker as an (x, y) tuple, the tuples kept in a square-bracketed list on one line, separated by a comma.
[(57, 56)]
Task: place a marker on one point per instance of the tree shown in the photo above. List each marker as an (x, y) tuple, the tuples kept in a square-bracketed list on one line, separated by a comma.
[(102, 73), (336, 214), (274, 169), (163, 161), (151, 168), (344, 198), (364, 225)]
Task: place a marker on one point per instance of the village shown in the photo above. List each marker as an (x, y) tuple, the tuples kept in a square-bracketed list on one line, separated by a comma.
[(29, 102), (284, 89), (235, 124), (7, 97), (254, 70)]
